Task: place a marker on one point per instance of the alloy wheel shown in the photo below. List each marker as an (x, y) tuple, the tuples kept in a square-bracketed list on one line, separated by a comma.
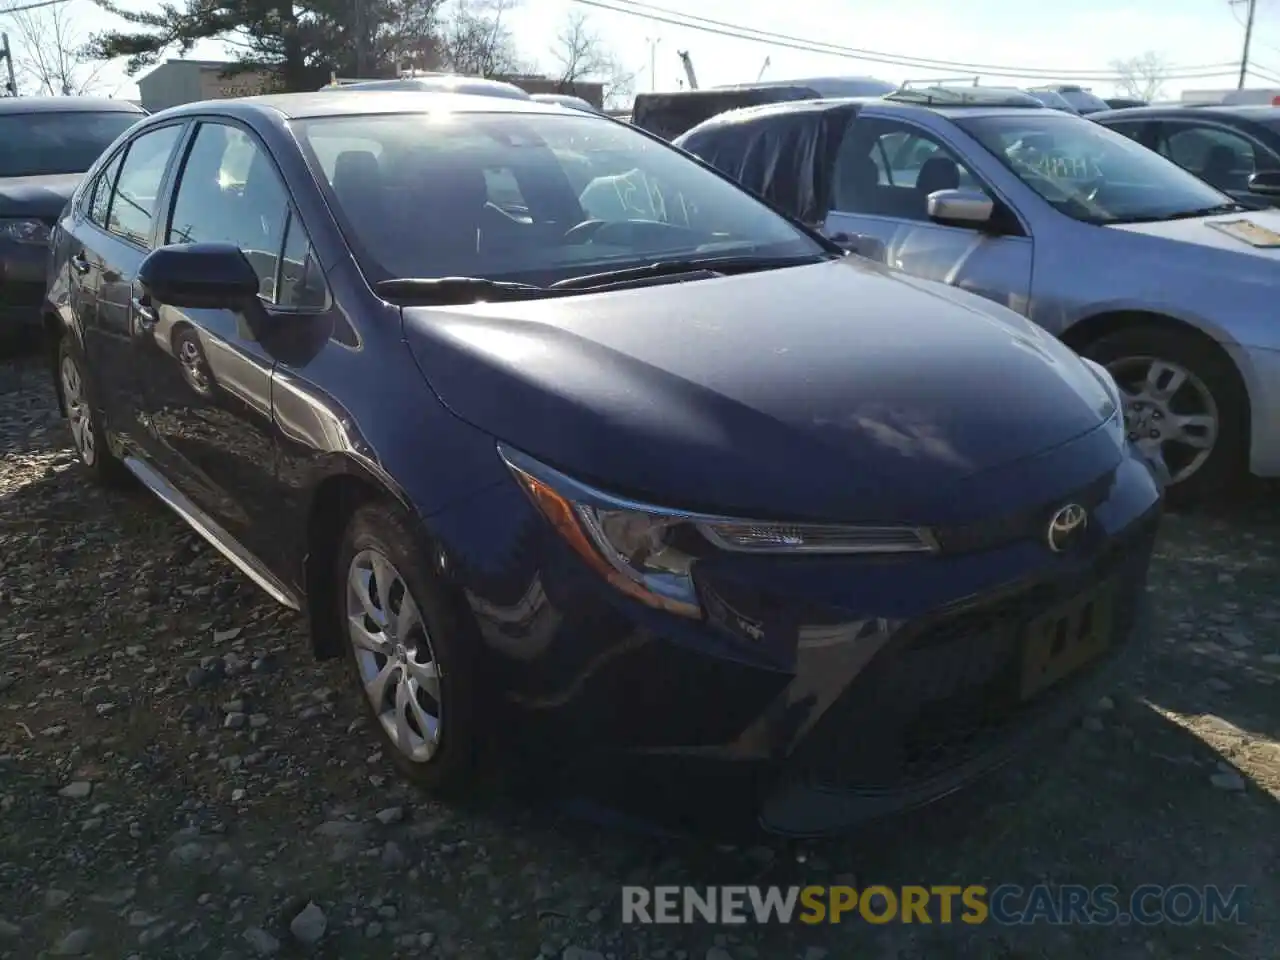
[(193, 365), (1169, 413), (397, 666), (79, 413)]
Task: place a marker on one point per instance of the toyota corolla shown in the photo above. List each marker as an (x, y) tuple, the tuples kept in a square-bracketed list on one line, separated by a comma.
[(563, 439)]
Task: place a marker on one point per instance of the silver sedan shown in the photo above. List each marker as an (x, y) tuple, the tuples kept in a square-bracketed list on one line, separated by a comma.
[(1129, 259)]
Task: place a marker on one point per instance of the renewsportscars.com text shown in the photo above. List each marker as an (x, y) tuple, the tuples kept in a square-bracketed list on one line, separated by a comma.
[(1006, 905)]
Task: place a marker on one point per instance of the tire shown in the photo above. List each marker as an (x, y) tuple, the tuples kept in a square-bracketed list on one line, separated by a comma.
[(88, 435), (450, 770), (1124, 352)]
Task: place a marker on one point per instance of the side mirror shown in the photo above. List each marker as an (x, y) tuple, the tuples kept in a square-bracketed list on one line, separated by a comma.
[(195, 275), (970, 208), (1266, 184)]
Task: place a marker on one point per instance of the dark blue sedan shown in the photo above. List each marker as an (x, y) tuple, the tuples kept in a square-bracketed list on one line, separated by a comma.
[(566, 441)]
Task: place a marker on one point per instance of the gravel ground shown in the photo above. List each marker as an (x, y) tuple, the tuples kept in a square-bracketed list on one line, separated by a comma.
[(178, 778)]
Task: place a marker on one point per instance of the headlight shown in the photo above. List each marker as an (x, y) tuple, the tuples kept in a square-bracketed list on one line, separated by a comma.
[(1115, 422), (33, 232), (649, 552)]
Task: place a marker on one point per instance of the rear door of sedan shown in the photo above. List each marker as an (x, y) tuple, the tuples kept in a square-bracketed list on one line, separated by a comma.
[(110, 238)]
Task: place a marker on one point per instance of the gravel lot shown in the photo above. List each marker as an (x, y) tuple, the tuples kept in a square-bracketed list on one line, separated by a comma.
[(179, 779)]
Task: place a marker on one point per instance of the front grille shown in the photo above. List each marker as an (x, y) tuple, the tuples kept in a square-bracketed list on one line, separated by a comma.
[(946, 692), (1029, 523)]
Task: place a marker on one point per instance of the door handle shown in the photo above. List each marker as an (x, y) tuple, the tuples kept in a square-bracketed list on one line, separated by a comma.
[(79, 264), (144, 312)]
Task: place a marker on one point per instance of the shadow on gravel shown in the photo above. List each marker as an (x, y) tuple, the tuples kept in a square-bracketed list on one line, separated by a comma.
[(1218, 575), (1126, 802)]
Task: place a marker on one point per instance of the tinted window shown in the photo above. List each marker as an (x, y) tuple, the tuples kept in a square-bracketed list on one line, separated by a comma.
[(100, 197), (1220, 157), (885, 168), (34, 144), (419, 205), (1089, 172), (229, 192), (1130, 128), (133, 205)]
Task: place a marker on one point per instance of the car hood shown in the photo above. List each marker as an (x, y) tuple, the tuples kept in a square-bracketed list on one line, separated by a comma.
[(839, 390), (1251, 233), (42, 197)]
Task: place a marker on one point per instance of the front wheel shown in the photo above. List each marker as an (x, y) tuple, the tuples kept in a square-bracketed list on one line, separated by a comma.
[(1184, 406), (407, 651)]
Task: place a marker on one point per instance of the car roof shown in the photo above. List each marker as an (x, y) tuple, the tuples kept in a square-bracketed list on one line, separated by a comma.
[(299, 106), (67, 105), (1245, 111), (793, 107)]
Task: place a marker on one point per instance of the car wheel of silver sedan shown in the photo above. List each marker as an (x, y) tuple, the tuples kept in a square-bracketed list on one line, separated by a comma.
[(404, 646), (1185, 406)]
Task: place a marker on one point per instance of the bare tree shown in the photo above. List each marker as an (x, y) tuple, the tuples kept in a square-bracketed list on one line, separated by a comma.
[(580, 54), (475, 40), (1142, 77), (47, 52)]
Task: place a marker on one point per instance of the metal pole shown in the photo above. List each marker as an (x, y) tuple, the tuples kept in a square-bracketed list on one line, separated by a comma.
[(1248, 36), (11, 88), (653, 62)]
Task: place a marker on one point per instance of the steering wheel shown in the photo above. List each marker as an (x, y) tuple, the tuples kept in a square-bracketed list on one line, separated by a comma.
[(584, 231)]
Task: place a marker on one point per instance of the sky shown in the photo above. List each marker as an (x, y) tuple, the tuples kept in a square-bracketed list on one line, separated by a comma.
[(1084, 37)]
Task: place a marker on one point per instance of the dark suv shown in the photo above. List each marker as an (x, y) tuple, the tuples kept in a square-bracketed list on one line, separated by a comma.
[(46, 145)]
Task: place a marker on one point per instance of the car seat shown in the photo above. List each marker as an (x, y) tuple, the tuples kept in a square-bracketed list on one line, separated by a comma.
[(938, 173), (1219, 165), (855, 187)]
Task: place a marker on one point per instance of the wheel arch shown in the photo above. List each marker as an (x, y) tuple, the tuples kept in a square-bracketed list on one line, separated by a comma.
[(53, 329), (1091, 329), (348, 486)]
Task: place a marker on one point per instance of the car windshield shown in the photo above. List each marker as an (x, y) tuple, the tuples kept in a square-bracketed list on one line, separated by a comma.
[(1054, 100), (532, 198), (1092, 173), (53, 142)]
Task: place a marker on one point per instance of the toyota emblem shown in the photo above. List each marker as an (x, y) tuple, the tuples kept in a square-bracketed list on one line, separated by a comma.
[(1066, 527)]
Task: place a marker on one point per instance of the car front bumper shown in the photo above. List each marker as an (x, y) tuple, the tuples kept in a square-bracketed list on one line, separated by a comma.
[(22, 284), (829, 690), (1260, 367)]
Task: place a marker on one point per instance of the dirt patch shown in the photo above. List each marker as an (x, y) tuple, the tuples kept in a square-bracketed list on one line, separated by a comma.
[(136, 818)]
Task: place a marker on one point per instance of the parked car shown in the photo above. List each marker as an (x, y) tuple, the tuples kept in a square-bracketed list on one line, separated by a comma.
[(1053, 100), (1082, 100), (1129, 259), (565, 100), (670, 114), (698, 484), (46, 145), (1124, 103), (1237, 149)]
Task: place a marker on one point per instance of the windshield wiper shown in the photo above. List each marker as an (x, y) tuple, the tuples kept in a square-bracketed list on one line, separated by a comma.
[(442, 291), (1187, 214), (709, 265)]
